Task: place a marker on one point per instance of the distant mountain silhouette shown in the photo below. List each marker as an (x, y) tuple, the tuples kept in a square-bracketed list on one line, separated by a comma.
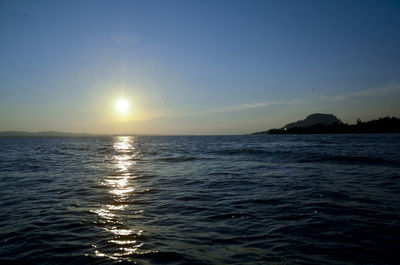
[(44, 134), (314, 119), (328, 123)]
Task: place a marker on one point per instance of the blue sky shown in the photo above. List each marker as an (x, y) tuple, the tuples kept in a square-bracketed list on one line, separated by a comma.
[(195, 67)]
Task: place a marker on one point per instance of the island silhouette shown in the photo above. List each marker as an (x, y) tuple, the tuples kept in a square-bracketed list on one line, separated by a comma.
[(320, 123)]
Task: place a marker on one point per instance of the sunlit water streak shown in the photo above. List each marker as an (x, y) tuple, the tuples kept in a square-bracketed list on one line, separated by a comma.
[(121, 187), (312, 199)]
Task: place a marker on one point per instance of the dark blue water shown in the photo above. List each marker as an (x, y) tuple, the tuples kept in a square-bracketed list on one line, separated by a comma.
[(285, 199)]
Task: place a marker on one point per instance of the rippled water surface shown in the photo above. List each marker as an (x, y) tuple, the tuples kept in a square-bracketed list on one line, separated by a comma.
[(284, 199)]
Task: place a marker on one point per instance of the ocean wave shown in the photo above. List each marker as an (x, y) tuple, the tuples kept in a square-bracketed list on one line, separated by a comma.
[(240, 151), (349, 160), (176, 159)]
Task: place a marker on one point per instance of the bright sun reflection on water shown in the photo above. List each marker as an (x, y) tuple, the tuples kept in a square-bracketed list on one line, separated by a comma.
[(123, 144), (116, 207), (105, 213), (120, 187), (121, 232)]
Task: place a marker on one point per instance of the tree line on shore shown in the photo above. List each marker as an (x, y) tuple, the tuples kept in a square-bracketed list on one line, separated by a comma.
[(382, 125)]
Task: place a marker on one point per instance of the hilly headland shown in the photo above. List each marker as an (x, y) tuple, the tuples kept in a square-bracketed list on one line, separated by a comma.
[(319, 123)]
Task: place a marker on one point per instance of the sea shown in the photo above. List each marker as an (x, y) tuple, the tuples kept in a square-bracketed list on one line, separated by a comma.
[(250, 199)]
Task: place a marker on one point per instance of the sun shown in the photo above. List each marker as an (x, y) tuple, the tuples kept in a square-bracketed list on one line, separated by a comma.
[(122, 105)]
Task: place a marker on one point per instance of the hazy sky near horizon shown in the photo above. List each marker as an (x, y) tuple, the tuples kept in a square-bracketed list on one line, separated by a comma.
[(195, 67)]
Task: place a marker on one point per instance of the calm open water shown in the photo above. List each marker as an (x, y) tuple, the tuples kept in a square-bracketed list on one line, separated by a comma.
[(283, 199)]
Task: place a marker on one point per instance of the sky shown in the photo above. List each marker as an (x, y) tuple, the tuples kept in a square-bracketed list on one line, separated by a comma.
[(195, 67)]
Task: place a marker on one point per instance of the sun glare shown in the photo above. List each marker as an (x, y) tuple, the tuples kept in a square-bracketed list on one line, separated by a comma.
[(122, 105)]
